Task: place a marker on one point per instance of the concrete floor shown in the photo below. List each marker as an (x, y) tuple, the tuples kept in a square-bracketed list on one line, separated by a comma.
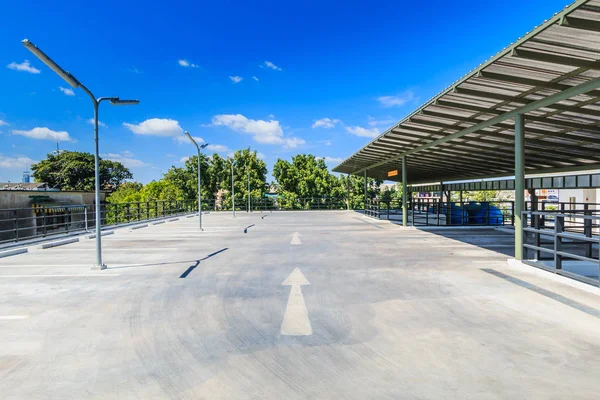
[(374, 311)]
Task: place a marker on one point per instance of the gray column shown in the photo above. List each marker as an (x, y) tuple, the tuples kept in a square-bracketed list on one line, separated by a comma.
[(365, 189), (348, 192), (404, 194), (519, 183)]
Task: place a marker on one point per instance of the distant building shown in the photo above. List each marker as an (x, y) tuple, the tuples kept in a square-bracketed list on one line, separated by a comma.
[(26, 177), (32, 209)]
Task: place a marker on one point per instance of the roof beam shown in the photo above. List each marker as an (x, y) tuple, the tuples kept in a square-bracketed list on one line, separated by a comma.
[(565, 94), (554, 58)]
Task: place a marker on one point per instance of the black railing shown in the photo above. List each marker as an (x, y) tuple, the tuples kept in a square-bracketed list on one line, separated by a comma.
[(563, 242), (39, 221)]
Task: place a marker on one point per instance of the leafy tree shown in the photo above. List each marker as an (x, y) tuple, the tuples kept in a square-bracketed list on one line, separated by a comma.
[(306, 176), (246, 165), (126, 193), (74, 170)]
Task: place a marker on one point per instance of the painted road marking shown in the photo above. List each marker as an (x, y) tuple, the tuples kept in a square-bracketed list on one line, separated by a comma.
[(13, 317), (295, 320), (296, 238)]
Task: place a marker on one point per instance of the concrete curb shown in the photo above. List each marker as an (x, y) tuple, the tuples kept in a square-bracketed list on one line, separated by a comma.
[(191, 216), (158, 222), (12, 252), (93, 236), (173, 219), (133, 228), (58, 243), (522, 267)]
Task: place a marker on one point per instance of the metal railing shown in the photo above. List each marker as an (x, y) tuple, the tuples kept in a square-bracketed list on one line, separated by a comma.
[(565, 243), (39, 221), (429, 211)]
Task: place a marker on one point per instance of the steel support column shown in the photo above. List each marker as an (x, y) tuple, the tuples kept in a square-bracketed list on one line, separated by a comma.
[(404, 194), (365, 190), (519, 183)]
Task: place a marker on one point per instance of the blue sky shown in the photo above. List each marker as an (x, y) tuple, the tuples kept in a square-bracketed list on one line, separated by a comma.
[(320, 77)]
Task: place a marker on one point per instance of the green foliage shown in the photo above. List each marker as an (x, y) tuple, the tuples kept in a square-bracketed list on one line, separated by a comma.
[(480, 195), (74, 170), (247, 167)]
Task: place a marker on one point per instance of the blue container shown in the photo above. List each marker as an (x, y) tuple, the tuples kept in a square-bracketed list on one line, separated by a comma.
[(495, 216)]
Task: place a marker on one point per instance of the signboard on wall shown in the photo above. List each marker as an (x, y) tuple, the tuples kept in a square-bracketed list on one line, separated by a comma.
[(393, 173)]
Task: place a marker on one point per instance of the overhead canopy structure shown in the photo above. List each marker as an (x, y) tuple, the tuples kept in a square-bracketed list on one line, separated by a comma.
[(550, 77)]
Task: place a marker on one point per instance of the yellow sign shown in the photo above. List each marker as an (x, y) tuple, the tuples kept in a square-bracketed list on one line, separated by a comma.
[(393, 173)]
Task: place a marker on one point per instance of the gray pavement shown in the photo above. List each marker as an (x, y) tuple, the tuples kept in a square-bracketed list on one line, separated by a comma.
[(305, 305)]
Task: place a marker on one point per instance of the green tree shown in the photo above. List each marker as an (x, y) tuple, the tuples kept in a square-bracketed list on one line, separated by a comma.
[(306, 176), (74, 170), (246, 165), (126, 193)]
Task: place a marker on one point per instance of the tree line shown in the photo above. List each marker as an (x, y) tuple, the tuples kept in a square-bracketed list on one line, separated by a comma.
[(305, 176)]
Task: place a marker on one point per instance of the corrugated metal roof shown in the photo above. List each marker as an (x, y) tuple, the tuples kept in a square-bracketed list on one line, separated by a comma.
[(561, 54)]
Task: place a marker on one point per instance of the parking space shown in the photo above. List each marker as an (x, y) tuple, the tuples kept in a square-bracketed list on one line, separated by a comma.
[(304, 305)]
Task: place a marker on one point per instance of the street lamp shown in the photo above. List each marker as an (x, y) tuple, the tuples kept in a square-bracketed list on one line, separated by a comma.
[(115, 101), (199, 176), (248, 190)]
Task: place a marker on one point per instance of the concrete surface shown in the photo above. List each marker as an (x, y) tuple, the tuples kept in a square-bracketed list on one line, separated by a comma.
[(354, 308)]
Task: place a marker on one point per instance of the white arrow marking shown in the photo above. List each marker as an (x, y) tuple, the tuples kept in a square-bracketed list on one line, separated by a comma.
[(296, 239), (295, 320)]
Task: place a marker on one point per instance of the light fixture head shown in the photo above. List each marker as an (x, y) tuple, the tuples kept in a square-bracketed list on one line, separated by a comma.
[(66, 75), (118, 102)]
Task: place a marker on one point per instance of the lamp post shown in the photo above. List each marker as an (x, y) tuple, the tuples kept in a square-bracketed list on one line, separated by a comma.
[(199, 176), (115, 101), (248, 190)]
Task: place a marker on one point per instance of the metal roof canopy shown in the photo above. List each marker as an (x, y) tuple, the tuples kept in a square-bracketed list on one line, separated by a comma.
[(551, 75)]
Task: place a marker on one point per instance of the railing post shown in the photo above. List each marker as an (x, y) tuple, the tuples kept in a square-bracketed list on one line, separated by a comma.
[(537, 236), (67, 219), (559, 224), (139, 215), (147, 210), (512, 213), (587, 229), (16, 225), (45, 229), (85, 217)]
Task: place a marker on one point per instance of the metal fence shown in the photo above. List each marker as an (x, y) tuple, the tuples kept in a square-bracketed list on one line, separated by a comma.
[(39, 221), (564, 242), (432, 211)]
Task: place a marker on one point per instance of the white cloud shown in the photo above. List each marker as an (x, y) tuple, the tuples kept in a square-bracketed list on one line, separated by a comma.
[(271, 116), (396, 101), (24, 66), (156, 127), (381, 121), (219, 148), (44, 134), (236, 79), (183, 159), (67, 91), (267, 132), (363, 132), (261, 156), (269, 64), (100, 123), (185, 140), (3, 123), (135, 70), (186, 64), (255, 78), (15, 162), (333, 159), (126, 158), (325, 123)]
